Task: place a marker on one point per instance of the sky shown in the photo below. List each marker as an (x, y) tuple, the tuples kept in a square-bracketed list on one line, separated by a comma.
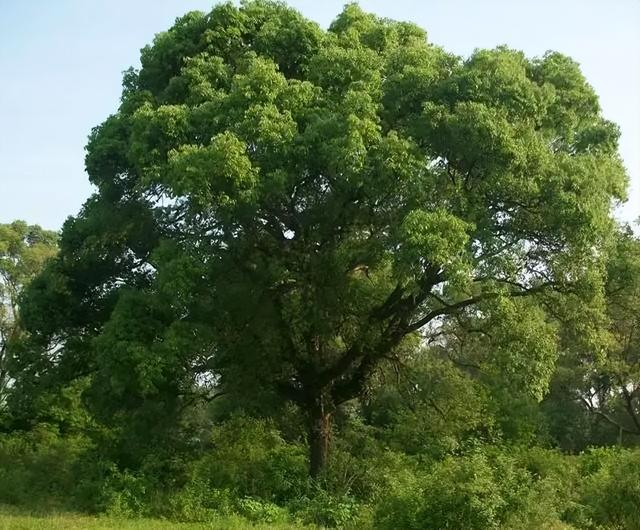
[(61, 67)]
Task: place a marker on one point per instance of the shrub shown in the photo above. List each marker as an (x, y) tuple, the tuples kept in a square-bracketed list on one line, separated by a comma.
[(260, 511), (250, 458), (38, 468), (323, 509), (457, 493), (197, 501), (361, 467), (249, 470), (483, 490), (610, 492), (125, 494)]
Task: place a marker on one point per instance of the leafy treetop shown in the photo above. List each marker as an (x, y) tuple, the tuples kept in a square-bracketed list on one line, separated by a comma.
[(281, 207)]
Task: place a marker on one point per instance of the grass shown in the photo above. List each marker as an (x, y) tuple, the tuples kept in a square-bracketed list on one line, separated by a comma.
[(10, 519)]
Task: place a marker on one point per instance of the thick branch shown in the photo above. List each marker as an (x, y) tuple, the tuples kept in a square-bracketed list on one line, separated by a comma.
[(606, 417), (628, 399), (448, 309)]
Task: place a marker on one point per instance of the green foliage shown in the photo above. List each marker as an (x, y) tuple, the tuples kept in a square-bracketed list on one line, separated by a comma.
[(251, 458), (123, 494), (335, 193), (261, 511), (460, 493), (610, 494), (371, 487), (39, 468), (24, 251), (599, 363), (433, 408), (19, 519), (197, 501), (326, 510), (346, 239), (489, 489)]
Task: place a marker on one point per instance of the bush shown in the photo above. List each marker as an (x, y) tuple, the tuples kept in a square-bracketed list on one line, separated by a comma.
[(250, 473), (483, 490), (38, 468), (323, 509), (197, 501), (125, 494), (250, 458), (261, 511), (610, 492), (361, 466), (457, 493), (248, 470)]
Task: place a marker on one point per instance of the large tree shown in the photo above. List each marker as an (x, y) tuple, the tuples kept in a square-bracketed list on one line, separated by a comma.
[(281, 208)]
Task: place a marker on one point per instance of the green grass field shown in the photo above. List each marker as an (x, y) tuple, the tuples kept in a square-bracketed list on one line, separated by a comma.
[(15, 520)]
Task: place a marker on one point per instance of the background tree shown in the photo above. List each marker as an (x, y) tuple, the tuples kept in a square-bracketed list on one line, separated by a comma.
[(24, 249), (617, 385), (605, 381), (299, 204)]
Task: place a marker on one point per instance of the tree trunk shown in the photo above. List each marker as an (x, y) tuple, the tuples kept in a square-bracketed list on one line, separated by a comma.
[(320, 424)]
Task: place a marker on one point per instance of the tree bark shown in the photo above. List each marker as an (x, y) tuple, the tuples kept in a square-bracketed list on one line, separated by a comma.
[(320, 430)]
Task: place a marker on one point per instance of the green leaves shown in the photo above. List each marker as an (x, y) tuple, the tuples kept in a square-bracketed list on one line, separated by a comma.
[(500, 77), (24, 252), (435, 240), (474, 138), (299, 202), (203, 77), (220, 171), (523, 346), (339, 67)]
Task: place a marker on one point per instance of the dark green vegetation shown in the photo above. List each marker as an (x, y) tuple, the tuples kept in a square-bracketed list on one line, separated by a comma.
[(11, 519), (340, 278)]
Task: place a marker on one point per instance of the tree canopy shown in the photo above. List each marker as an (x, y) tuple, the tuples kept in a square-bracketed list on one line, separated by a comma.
[(283, 209)]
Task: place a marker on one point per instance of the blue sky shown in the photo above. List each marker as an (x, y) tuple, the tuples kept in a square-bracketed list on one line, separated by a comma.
[(61, 65)]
